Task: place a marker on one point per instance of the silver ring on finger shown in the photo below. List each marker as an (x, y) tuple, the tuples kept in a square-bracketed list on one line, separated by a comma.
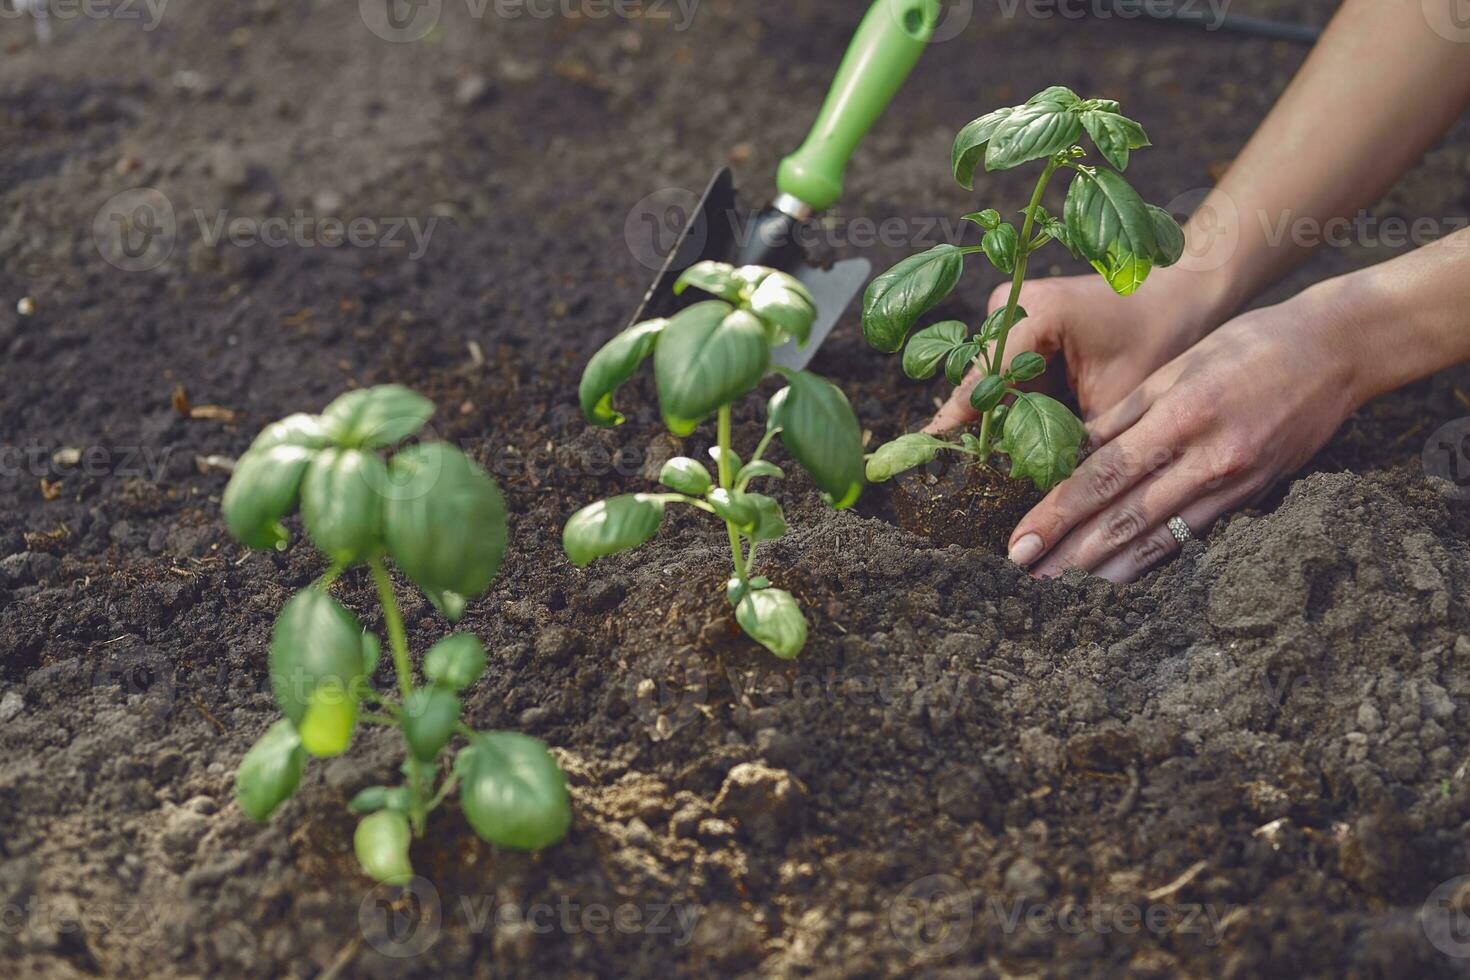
[(1180, 529)]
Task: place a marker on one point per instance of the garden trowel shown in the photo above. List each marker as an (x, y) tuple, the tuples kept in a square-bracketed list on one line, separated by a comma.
[(887, 44)]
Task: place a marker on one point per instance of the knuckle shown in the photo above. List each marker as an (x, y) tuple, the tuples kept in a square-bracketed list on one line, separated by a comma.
[(1122, 526), (1105, 477), (1231, 459), (1148, 551)]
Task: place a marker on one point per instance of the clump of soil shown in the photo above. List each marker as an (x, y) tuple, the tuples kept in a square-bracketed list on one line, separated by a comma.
[(957, 500)]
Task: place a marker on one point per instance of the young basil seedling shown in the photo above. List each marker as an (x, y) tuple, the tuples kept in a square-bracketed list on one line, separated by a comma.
[(441, 519), (1104, 222), (706, 357)]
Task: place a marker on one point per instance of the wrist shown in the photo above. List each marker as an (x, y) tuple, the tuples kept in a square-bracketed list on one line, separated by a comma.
[(1335, 341)]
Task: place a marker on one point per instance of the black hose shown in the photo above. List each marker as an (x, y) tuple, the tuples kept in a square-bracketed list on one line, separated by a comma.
[(1185, 16)]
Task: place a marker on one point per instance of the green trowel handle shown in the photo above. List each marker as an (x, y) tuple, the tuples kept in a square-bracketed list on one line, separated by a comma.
[(887, 44)]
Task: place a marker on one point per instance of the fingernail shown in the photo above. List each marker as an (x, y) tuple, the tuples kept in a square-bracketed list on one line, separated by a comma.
[(1027, 550)]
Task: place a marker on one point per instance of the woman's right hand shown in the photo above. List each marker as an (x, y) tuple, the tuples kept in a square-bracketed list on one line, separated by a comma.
[(1109, 344)]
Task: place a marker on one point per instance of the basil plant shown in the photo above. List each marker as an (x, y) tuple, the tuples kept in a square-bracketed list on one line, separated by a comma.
[(1104, 221), (706, 357), (441, 520)]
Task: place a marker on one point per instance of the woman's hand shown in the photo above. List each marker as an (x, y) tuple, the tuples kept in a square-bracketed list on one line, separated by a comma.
[(1109, 344), (1206, 433)]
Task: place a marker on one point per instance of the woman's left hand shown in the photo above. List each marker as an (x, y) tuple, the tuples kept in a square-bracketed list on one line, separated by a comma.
[(1206, 433)]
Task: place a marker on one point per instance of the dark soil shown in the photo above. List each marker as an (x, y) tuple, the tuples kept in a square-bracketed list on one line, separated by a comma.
[(955, 500), (1260, 748)]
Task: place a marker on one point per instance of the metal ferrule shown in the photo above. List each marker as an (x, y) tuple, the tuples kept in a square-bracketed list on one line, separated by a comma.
[(793, 207)]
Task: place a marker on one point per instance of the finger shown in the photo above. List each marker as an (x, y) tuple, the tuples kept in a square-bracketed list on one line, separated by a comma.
[(1110, 424), (1130, 518), (1159, 545), (1102, 478)]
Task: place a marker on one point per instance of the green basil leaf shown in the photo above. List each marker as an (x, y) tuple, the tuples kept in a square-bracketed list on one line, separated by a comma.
[(1036, 130), (897, 298), (379, 798), (1112, 228), (512, 791), (1026, 366), (305, 431), (610, 526), (270, 771), (372, 650), (820, 431), (262, 490), (773, 619), (716, 278), (376, 417), (342, 503), (770, 522), (381, 843), (959, 361), (613, 364), (755, 469), (1042, 438), (990, 329), (1058, 231), (970, 144), (1059, 94), (315, 640), (989, 219), (904, 453), (1000, 247), (456, 661), (782, 302), (714, 454), (733, 508), (444, 523), (708, 356), (429, 716), (331, 715), (987, 394), (1114, 135), (1168, 237), (686, 476), (929, 346)]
